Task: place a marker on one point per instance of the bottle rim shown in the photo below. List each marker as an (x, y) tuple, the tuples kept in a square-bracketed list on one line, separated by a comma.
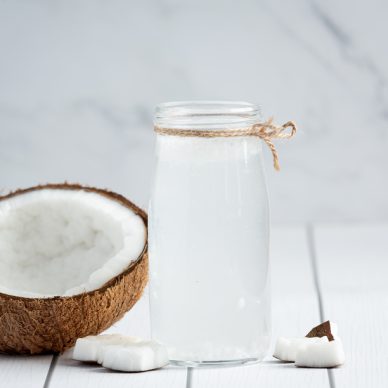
[(206, 114)]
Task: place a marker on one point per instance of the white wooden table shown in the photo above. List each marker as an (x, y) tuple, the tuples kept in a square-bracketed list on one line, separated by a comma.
[(319, 272)]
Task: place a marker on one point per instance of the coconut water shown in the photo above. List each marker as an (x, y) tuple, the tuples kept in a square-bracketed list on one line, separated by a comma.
[(208, 246)]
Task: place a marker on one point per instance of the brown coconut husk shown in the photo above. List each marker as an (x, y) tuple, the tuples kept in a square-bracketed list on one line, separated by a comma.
[(47, 325), (322, 330)]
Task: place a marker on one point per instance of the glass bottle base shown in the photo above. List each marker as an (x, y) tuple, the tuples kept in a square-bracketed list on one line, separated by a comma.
[(196, 364)]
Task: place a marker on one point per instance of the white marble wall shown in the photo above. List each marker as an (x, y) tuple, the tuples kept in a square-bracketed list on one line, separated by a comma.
[(79, 79)]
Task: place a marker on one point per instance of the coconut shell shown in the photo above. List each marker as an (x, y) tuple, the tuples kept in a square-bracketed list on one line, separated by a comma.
[(324, 329), (47, 325)]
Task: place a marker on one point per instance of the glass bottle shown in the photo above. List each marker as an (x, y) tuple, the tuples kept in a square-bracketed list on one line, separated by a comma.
[(209, 236)]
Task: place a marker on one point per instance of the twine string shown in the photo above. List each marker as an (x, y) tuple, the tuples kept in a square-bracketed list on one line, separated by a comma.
[(267, 131)]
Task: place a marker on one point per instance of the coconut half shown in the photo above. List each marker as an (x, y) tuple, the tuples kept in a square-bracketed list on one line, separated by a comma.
[(73, 260)]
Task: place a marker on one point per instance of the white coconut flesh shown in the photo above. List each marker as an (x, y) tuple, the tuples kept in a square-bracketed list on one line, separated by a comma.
[(286, 349), (92, 347), (120, 352), (321, 354), (57, 242)]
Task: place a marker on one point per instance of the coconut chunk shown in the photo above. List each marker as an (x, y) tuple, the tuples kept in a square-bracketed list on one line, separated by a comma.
[(92, 347), (136, 357), (123, 341), (321, 354), (286, 349), (86, 349), (119, 352)]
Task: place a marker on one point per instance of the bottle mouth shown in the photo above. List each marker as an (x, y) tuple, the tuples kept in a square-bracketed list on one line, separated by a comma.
[(207, 114)]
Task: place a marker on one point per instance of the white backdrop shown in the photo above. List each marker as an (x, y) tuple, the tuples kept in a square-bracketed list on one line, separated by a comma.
[(79, 80)]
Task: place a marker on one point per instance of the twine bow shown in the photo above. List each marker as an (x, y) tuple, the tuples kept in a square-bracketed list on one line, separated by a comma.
[(267, 131)]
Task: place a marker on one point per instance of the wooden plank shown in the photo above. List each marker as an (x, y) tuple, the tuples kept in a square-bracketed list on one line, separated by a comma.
[(352, 263), (24, 371), (72, 374), (295, 311)]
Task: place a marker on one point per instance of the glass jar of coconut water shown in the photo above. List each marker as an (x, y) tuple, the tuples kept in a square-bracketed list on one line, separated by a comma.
[(208, 235)]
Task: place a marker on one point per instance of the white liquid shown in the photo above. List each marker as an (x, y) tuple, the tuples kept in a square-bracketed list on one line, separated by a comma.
[(208, 245)]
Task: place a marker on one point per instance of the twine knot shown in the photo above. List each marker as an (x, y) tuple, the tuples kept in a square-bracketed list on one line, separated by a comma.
[(268, 131)]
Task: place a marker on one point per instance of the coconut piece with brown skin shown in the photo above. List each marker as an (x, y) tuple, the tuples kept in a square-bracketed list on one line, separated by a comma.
[(73, 260), (322, 354), (324, 329)]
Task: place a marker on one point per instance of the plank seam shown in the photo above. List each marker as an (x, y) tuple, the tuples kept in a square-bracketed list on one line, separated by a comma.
[(189, 377), (314, 265), (317, 285), (50, 371)]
